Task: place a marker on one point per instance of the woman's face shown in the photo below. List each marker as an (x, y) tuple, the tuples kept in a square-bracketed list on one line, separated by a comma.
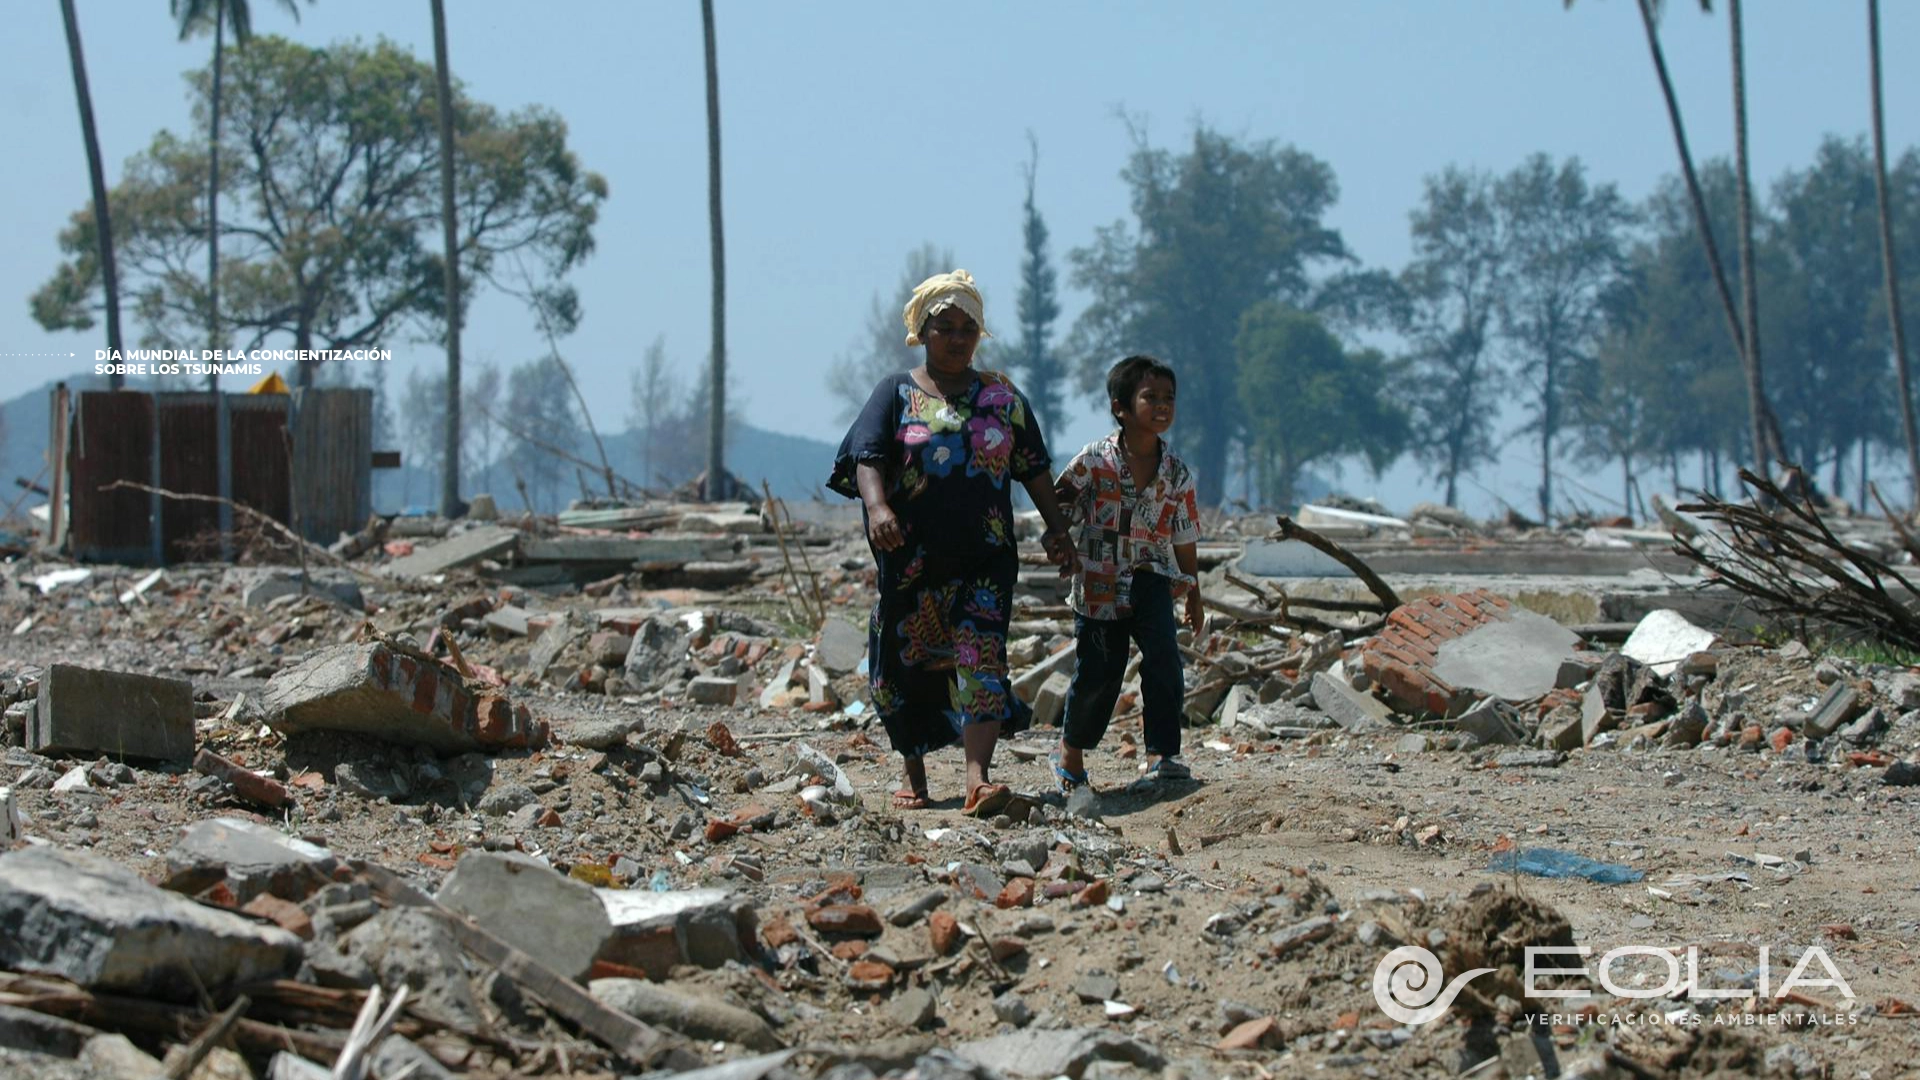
[(950, 337)]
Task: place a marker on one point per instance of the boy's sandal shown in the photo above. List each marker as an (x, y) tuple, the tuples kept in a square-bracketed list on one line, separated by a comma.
[(987, 800), (1065, 778), (909, 799), (1169, 768)]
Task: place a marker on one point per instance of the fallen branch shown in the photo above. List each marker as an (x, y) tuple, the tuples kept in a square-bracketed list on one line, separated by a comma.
[(195, 1052), (1789, 562), (253, 515), (1292, 530)]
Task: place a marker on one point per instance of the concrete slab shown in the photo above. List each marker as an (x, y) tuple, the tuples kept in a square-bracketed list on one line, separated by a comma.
[(658, 653), (529, 905), (1351, 709), (251, 859), (1664, 638), (1517, 658), (1026, 685), (486, 542), (645, 552), (85, 918), (90, 711), (371, 689)]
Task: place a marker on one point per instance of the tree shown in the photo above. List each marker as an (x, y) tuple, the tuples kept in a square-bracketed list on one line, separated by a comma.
[(424, 406), (1564, 238), (197, 16), (329, 205), (543, 421), (1830, 352), (652, 390), (1453, 286), (92, 240), (480, 404), (449, 260), (1221, 228), (717, 487), (1889, 262), (1309, 399), (1043, 371), (1767, 444), (883, 348)]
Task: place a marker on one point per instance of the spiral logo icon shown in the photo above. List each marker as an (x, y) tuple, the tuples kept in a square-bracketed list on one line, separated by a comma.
[(1407, 985)]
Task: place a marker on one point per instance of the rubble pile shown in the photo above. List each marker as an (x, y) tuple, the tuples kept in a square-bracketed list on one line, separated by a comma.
[(573, 799)]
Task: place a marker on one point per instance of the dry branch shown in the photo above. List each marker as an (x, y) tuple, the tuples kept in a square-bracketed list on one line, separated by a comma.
[(1790, 563)]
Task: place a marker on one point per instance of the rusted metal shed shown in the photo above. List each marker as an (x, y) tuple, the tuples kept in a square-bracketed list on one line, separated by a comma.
[(304, 459)]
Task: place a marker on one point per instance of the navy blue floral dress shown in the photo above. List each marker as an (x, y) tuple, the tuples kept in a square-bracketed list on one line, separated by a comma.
[(937, 639)]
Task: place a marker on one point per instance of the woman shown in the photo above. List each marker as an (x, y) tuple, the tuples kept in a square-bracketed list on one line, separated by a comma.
[(930, 457)]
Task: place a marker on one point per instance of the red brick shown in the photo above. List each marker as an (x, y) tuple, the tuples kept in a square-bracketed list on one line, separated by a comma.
[(1018, 893), (1093, 895), (943, 931), (290, 916), (777, 931), (849, 950), (870, 975), (1405, 620), (1252, 1035), (846, 919), (1781, 739)]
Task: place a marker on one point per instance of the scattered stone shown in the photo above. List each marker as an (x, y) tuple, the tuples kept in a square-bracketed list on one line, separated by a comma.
[(914, 1009), (1351, 709), (1070, 1052), (654, 931), (658, 654), (1664, 639), (846, 919), (412, 946), (1011, 1008), (713, 690), (1837, 706), (1493, 722), (840, 647), (1261, 1034), (249, 859), (1096, 986)]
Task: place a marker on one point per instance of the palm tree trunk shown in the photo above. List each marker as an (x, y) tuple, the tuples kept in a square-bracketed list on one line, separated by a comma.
[(443, 87), (213, 194), (1889, 265), (1766, 431), (717, 400), (102, 218)]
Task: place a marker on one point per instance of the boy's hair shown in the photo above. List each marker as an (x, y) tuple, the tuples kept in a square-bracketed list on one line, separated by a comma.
[(1124, 380)]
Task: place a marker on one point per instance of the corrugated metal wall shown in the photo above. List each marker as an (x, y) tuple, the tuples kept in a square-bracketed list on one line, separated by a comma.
[(328, 461)]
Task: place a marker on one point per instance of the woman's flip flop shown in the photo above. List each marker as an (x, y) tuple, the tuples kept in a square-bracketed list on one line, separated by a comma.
[(908, 799), (987, 800)]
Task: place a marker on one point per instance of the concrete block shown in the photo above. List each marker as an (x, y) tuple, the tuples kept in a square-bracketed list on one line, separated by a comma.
[(417, 948), (1595, 716), (654, 931), (486, 542), (777, 685), (840, 647), (373, 690), (713, 690), (85, 918), (509, 620), (1837, 706), (1027, 684), (1517, 658), (1493, 722), (1350, 708), (89, 711), (1051, 702), (251, 859), (550, 644), (529, 905), (261, 587), (1561, 731)]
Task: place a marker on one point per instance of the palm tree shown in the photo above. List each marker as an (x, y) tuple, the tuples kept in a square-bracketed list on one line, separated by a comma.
[(443, 89), (1763, 430), (194, 16), (102, 219), (1767, 443), (717, 487), (1889, 266)]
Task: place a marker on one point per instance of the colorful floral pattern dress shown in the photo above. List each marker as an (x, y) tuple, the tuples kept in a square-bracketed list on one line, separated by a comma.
[(937, 639)]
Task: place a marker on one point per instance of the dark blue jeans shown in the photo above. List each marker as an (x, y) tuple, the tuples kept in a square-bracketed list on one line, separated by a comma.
[(1101, 664)]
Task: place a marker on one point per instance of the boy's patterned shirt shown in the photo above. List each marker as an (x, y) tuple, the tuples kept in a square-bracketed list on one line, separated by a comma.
[(1119, 529)]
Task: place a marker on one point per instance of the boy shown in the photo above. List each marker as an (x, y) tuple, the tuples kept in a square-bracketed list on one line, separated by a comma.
[(1131, 503)]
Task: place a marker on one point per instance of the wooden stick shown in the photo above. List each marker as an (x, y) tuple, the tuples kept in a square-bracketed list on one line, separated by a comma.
[(799, 593), (1293, 530), (196, 1051)]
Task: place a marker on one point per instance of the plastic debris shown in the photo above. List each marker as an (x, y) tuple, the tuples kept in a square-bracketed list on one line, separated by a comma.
[(1554, 863)]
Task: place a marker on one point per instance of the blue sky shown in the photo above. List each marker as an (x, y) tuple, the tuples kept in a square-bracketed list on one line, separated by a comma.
[(856, 131)]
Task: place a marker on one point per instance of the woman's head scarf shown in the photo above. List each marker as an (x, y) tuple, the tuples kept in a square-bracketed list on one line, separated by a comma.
[(938, 293)]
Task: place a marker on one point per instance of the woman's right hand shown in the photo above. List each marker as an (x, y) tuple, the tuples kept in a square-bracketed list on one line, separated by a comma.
[(883, 529)]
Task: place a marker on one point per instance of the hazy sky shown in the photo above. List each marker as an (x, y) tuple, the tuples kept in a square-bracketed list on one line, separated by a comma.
[(856, 131)]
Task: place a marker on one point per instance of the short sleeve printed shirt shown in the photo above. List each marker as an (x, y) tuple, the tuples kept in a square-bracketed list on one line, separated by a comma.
[(1120, 528)]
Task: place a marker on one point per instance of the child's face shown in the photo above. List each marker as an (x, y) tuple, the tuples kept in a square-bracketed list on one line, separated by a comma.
[(1151, 408)]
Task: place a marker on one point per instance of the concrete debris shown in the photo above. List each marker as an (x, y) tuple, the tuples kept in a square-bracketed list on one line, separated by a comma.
[(86, 711), (710, 841), (372, 689), (1664, 639), (90, 920)]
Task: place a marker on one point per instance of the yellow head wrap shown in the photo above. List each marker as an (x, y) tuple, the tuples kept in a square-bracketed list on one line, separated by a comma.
[(938, 293)]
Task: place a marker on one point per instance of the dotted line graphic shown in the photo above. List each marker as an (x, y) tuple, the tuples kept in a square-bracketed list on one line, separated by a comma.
[(40, 354)]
